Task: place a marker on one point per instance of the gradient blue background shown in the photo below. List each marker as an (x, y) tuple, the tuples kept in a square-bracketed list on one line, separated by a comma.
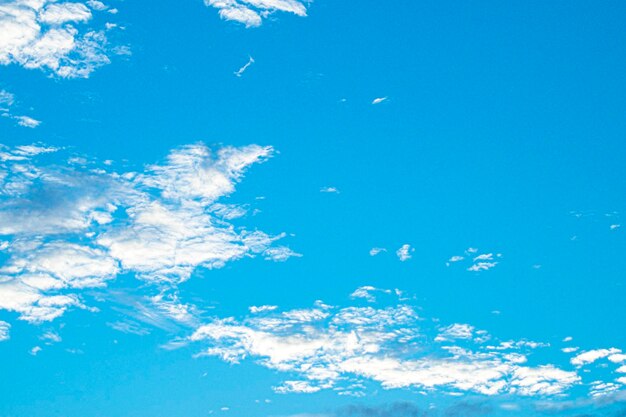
[(503, 118)]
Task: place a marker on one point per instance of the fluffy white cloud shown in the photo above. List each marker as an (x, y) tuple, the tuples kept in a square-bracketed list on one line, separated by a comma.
[(52, 36), (617, 357), (404, 253), (338, 348), (76, 227), (590, 356), (252, 12)]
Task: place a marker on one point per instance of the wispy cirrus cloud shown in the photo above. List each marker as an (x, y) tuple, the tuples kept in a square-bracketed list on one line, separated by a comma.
[(376, 251), (7, 101), (53, 36), (244, 68), (367, 292), (379, 100), (69, 227), (4, 331), (252, 12)]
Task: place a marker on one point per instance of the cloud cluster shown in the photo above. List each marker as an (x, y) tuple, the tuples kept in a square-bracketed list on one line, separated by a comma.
[(52, 36), (481, 262), (71, 225), (252, 12), (7, 100), (340, 348)]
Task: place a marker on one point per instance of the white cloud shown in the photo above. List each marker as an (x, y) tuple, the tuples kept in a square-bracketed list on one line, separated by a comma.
[(34, 351), (376, 251), (252, 12), (615, 226), (332, 190), (26, 121), (52, 36), (4, 330), (243, 69), (261, 309), (129, 327), (367, 292), (72, 228), (7, 100), (482, 266), (296, 387), (455, 331), (617, 357), (97, 5), (600, 388), (590, 356), (404, 253), (379, 100), (59, 13), (482, 262), (339, 348), (280, 254), (51, 337)]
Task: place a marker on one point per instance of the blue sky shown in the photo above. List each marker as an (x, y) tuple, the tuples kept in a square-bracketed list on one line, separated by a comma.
[(276, 208)]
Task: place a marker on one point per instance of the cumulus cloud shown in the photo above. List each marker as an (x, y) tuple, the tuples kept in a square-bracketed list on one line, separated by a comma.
[(332, 190), (379, 100), (590, 356), (52, 36), (252, 12), (340, 348), (72, 227)]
